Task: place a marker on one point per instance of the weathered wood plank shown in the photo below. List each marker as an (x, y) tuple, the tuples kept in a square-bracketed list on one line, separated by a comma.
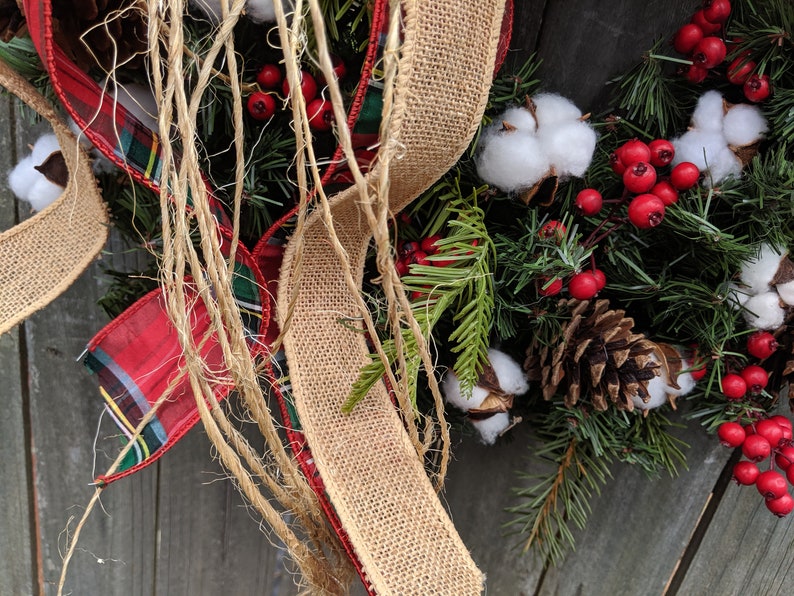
[(17, 546), (639, 528)]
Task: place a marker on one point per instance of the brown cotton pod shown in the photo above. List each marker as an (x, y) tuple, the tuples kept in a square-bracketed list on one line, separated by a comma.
[(543, 191)]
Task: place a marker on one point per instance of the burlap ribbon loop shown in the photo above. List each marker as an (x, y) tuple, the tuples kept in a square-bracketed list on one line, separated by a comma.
[(388, 507), (44, 255)]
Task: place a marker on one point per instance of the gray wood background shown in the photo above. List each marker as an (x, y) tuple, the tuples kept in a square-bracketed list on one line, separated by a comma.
[(178, 528)]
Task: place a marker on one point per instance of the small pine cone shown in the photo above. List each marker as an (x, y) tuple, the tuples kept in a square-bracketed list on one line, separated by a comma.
[(598, 356)]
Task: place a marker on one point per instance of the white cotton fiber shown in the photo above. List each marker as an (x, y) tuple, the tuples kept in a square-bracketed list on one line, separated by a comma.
[(44, 146), (509, 373), (519, 117), (511, 160), (764, 311), (551, 109), (454, 396), (657, 390), (569, 147), (699, 147), (21, 177), (685, 382), (743, 125), (786, 292), (260, 11), (490, 428), (722, 166), (709, 113), (738, 295), (43, 193), (757, 273)]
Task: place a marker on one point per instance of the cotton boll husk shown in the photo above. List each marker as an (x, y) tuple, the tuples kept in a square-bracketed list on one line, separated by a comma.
[(744, 125), (509, 373), (709, 112), (569, 147), (43, 193), (757, 273), (44, 146), (684, 381), (786, 292), (657, 389), (519, 117), (552, 108), (490, 428), (699, 147), (21, 178), (511, 160), (454, 395), (724, 165), (764, 311)]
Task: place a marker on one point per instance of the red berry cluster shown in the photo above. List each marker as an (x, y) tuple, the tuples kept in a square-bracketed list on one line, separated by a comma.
[(426, 251), (768, 438), (699, 40), (753, 378), (261, 104)]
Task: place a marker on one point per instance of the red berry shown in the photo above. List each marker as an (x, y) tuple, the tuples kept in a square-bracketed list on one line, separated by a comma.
[(633, 151), (552, 230), (731, 434), (757, 88), (583, 286), (321, 114), (600, 278), (740, 70), (401, 266), (261, 105), (269, 76), (308, 86), (686, 38), (589, 201), (339, 68), (662, 152), (406, 248), (755, 377), (783, 423), (429, 244), (784, 457), (695, 74), (733, 387), (646, 211), (665, 191), (761, 344), (708, 27), (418, 258), (745, 473), (639, 177), (550, 288), (685, 175), (781, 506), (615, 163), (771, 484), (770, 430), (709, 52), (756, 448), (790, 474), (716, 11)]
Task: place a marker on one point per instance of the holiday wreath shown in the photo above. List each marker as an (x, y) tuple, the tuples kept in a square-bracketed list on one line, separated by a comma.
[(361, 257)]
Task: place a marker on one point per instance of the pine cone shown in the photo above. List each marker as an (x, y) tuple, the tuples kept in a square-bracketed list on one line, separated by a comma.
[(598, 355)]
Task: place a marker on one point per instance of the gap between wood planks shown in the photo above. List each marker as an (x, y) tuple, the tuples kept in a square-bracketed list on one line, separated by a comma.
[(701, 527)]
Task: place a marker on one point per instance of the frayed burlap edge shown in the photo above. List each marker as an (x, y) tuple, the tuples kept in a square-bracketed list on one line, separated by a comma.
[(42, 256), (376, 482)]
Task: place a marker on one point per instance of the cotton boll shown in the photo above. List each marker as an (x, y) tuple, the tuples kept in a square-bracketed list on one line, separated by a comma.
[(744, 125), (657, 390), (684, 381), (764, 311), (709, 112), (509, 373), (724, 165), (44, 146), (21, 177), (569, 147), (757, 273), (699, 147), (511, 160), (738, 295), (138, 100), (519, 117), (43, 193), (551, 109), (260, 11), (786, 292), (454, 395), (490, 428)]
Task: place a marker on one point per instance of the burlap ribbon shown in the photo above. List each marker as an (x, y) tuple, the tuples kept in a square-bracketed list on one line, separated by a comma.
[(44, 255), (388, 507)]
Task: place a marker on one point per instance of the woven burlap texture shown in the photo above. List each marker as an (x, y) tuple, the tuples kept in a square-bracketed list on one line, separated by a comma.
[(388, 507), (45, 254)]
